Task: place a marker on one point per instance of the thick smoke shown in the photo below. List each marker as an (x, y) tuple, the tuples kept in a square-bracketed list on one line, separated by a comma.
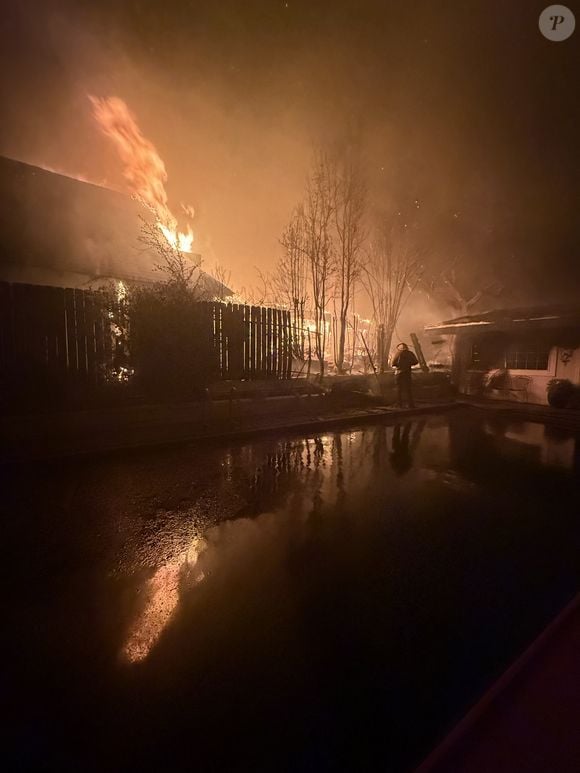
[(465, 108)]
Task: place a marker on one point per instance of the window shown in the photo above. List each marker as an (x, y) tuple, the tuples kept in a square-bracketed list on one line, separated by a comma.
[(475, 355), (527, 356)]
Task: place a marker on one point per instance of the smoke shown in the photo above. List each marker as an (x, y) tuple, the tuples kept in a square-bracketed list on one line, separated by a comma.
[(455, 107), (241, 174)]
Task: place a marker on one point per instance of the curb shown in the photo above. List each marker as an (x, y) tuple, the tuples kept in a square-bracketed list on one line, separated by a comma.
[(308, 425)]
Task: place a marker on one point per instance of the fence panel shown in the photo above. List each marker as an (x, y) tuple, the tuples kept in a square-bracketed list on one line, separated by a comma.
[(71, 331), (92, 312), (81, 333), (252, 328), (270, 343), (288, 343), (236, 343), (247, 322), (263, 343), (6, 332), (53, 338)]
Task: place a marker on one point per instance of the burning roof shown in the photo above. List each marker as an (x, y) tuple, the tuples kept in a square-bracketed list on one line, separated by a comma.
[(58, 230)]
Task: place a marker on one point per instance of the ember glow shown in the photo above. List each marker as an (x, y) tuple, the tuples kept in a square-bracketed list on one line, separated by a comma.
[(121, 290), (143, 167)]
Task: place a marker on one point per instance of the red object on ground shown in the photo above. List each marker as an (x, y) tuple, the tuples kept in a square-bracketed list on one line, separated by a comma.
[(530, 719)]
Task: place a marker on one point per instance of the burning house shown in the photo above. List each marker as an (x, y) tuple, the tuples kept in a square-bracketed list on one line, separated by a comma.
[(65, 232), (515, 354), (60, 239)]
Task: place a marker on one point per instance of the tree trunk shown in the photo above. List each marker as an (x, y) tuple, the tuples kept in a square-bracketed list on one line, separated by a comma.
[(389, 332), (341, 344), (384, 338), (381, 348)]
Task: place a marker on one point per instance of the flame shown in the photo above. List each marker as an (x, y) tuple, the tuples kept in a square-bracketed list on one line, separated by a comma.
[(178, 240), (121, 291), (143, 168)]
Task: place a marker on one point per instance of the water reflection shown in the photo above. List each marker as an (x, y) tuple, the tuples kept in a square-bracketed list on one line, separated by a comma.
[(336, 586), (331, 467), (306, 475), (358, 472), (159, 601), (404, 446), (544, 444)]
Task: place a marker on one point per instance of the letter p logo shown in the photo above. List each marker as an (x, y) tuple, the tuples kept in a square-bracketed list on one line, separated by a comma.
[(556, 22)]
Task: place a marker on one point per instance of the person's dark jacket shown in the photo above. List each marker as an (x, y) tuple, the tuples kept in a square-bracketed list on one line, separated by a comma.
[(404, 361)]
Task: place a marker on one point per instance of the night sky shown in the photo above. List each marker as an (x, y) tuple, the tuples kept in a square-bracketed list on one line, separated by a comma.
[(463, 106)]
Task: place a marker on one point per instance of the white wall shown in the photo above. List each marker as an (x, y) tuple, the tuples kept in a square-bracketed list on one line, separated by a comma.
[(568, 364), (537, 381)]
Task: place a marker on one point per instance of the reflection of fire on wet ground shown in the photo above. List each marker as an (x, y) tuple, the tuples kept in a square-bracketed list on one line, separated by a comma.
[(165, 546), (165, 553), (160, 553), (161, 597)]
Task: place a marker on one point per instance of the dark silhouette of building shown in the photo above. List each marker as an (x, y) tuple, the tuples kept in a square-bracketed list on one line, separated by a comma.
[(60, 231)]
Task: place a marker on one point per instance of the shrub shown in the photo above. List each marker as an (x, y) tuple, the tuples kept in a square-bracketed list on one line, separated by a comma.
[(560, 393), (171, 343)]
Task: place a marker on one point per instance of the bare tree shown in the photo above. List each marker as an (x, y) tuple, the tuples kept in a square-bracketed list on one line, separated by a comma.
[(349, 222), (319, 248), (446, 284), (183, 270), (261, 293), (223, 280), (468, 260), (291, 275), (389, 277)]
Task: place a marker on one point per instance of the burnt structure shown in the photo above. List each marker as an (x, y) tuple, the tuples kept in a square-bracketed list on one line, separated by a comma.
[(515, 354), (63, 232)]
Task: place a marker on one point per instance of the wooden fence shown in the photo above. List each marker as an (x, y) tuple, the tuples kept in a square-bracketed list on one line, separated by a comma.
[(250, 342), (54, 337)]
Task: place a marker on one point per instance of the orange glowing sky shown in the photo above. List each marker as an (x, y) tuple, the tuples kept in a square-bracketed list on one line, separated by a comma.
[(456, 106)]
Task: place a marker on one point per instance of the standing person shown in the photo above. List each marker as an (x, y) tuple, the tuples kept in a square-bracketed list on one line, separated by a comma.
[(403, 361)]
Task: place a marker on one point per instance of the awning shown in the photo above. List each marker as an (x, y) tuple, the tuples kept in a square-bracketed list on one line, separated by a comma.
[(533, 318)]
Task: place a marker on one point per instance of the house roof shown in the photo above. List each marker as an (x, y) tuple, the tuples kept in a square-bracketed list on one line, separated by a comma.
[(528, 317), (58, 230)]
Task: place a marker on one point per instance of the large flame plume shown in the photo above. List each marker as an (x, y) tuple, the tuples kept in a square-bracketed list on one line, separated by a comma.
[(143, 168)]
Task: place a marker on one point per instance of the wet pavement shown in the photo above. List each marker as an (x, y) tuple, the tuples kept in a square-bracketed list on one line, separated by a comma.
[(331, 602)]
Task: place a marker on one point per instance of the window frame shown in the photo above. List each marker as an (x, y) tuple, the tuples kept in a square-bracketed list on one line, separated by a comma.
[(549, 370)]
